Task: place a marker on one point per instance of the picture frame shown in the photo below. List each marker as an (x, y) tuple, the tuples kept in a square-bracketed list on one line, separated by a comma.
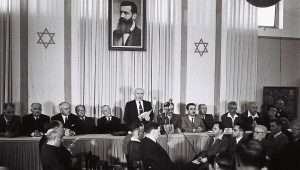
[(127, 25)]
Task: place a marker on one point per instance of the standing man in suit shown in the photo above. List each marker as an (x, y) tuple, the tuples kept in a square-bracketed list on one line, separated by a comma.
[(136, 107), (34, 123), (230, 118), (108, 123), (207, 118), (251, 117), (192, 122), (86, 124), (127, 32), (154, 157), (10, 124), (69, 120)]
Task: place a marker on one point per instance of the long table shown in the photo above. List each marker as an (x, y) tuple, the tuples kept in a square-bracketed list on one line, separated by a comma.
[(22, 153)]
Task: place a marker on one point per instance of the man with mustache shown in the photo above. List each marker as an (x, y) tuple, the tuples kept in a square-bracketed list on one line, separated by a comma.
[(127, 32)]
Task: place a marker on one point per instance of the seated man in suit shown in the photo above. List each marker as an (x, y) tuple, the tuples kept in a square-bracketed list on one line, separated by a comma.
[(191, 122), (135, 108), (170, 121), (86, 124), (218, 143), (108, 123), (207, 118), (275, 142), (34, 123), (154, 157), (69, 120), (251, 117), (238, 134), (10, 124), (230, 118)]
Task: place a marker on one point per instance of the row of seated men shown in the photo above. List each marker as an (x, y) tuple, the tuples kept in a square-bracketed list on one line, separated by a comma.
[(239, 150), (33, 124)]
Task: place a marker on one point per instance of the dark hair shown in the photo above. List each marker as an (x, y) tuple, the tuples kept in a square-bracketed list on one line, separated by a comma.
[(277, 121), (250, 153), (167, 104), (232, 103), (6, 105), (220, 124), (129, 3), (241, 126), (190, 104), (76, 108), (199, 106), (225, 161), (149, 126), (134, 126), (271, 106)]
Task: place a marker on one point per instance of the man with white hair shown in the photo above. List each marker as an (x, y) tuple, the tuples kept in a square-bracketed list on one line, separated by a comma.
[(134, 109), (69, 120)]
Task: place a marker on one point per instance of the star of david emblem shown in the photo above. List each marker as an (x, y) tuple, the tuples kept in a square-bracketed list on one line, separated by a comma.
[(45, 38), (201, 47)]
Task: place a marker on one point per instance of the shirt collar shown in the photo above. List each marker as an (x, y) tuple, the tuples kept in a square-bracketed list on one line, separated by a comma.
[(6, 120), (219, 137), (235, 116), (132, 26), (250, 115), (151, 138), (277, 134), (238, 139), (134, 139)]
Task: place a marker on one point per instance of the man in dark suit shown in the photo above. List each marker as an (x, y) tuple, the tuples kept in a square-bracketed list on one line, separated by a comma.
[(127, 32), (10, 124), (86, 124), (69, 120), (230, 118), (154, 157), (170, 121), (108, 123), (191, 122), (251, 117), (34, 123), (275, 142), (218, 143), (207, 118), (135, 108)]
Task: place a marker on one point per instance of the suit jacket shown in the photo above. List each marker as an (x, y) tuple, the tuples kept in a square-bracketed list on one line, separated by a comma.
[(86, 126), (154, 157), (71, 123), (227, 122), (248, 121), (188, 126), (105, 126), (131, 112), (134, 38), (175, 120), (30, 124), (208, 121), (13, 127), (274, 145), (212, 148)]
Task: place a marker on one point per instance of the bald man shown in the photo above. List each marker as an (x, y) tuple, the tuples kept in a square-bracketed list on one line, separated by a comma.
[(136, 107), (69, 120), (34, 123)]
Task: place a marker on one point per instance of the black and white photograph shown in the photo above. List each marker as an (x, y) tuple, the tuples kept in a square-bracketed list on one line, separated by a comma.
[(127, 28), (149, 84)]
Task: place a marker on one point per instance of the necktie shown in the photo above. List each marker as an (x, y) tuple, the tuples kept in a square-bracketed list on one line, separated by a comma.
[(192, 120), (140, 108)]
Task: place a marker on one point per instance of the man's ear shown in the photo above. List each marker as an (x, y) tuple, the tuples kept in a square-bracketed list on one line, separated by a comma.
[(134, 16)]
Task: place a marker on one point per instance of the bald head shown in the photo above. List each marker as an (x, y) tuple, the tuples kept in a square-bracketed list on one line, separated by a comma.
[(36, 109), (65, 108)]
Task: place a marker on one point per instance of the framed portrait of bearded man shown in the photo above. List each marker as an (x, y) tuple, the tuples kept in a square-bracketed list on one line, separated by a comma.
[(127, 25)]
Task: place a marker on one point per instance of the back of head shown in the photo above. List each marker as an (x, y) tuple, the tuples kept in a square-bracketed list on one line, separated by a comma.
[(149, 126), (51, 131), (250, 154), (225, 161)]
